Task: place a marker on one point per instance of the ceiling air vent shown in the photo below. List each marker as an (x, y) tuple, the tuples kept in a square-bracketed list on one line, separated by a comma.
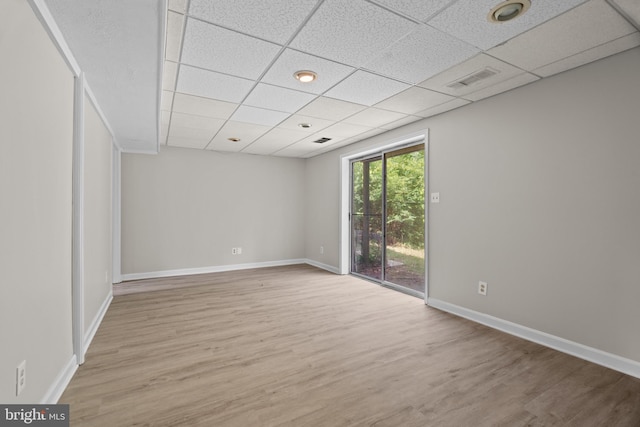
[(322, 140), (473, 78)]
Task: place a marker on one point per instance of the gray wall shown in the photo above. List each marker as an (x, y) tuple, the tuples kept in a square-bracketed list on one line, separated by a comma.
[(539, 197), (36, 138), (187, 208)]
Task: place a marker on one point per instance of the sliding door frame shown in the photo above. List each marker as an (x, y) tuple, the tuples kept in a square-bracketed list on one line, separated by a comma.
[(345, 196)]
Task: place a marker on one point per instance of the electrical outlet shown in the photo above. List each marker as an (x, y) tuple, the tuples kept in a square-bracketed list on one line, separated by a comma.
[(482, 288), (21, 377), (238, 251), (234, 251), (435, 197)]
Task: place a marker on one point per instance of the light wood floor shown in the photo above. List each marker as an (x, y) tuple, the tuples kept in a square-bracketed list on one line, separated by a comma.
[(297, 346)]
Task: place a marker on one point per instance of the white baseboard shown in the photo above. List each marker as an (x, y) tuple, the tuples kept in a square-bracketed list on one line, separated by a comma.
[(214, 269), (609, 360), (97, 320), (61, 382), (327, 267)]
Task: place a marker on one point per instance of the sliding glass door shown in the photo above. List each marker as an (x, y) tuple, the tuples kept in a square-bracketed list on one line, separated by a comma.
[(387, 218)]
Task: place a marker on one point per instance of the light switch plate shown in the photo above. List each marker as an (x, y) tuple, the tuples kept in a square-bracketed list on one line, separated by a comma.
[(435, 197)]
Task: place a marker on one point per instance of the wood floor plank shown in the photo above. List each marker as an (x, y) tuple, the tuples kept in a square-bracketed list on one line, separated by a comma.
[(298, 346)]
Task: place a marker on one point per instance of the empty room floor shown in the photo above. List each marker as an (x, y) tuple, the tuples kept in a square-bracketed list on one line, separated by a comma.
[(298, 346)]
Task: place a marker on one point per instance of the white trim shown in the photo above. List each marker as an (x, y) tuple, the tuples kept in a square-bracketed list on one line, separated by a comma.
[(116, 218), (96, 106), (44, 16), (345, 161), (61, 382), (327, 267), (93, 328), (609, 360), (138, 151), (162, 39), (213, 269), (77, 282)]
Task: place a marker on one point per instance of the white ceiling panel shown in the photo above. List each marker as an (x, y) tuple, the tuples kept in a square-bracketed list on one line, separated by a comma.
[(273, 20), (167, 100), (277, 98), (245, 131), (197, 105), (282, 72), (467, 20), (175, 22), (330, 109), (374, 117), (419, 10), (401, 122), (164, 133), (413, 100), (366, 88), (169, 75), (557, 36), (351, 32), (420, 55), (274, 140), (342, 130), (293, 123), (191, 133), (232, 53), (212, 85), (179, 6), (195, 122), (258, 116), (507, 85), (630, 9), (182, 142), (447, 106), (623, 43), (165, 118), (478, 63)]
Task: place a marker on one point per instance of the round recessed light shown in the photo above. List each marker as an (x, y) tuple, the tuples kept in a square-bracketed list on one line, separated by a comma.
[(305, 125), (234, 139), (305, 76), (508, 10)]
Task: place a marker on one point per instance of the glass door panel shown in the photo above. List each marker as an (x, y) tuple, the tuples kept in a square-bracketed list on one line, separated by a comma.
[(366, 218), (404, 218)]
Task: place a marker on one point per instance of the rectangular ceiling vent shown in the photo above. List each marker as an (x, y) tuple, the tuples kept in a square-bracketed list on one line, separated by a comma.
[(322, 140), (473, 78)]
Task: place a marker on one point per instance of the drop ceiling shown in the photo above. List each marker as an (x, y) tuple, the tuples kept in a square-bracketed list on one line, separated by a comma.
[(228, 66)]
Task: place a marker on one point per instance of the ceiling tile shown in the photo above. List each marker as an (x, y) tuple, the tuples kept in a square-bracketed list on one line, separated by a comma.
[(195, 122), (401, 122), (294, 151), (476, 64), (342, 130), (165, 118), (175, 22), (167, 100), (630, 9), (374, 117), (467, 20), (447, 106), (419, 10), (413, 100), (365, 88), (274, 140), (599, 52), (507, 85), (169, 74), (232, 53), (245, 131), (556, 40), (209, 84), (330, 109), (164, 132), (420, 55), (282, 71), (274, 20), (293, 122), (191, 133), (258, 116), (183, 142), (351, 32), (277, 98), (179, 6), (197, 105)]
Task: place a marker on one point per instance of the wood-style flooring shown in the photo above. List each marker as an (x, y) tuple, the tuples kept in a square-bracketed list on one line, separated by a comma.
[(298, 346)]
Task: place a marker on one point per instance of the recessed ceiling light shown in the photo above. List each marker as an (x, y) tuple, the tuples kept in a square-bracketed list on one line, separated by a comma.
[(305, 76), (305, 125), (234, 139), (508, 10)]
